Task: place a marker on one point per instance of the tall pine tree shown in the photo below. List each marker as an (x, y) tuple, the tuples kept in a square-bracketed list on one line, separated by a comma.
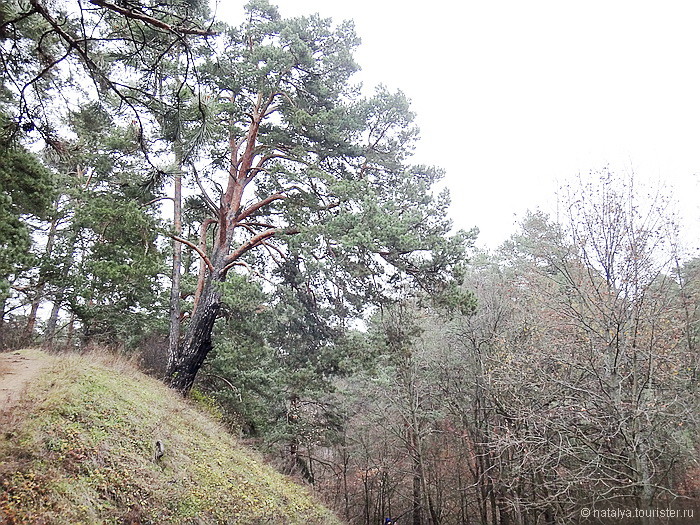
[(305, 170)]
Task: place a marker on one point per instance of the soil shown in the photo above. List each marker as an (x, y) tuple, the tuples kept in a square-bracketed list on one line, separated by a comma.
[(17, 370)]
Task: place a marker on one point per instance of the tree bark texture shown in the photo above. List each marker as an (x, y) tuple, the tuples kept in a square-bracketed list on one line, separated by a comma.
[(31, 321), (3, 299), (197, 341), (175, 309), (52, 322)]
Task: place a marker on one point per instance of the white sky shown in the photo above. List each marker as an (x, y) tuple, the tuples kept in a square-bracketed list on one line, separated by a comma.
[(515, 97)]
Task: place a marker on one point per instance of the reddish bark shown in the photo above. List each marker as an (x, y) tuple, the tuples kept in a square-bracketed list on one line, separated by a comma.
[(185, 361)]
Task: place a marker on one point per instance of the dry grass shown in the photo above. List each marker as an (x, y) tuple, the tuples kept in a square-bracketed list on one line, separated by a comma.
[(79, 448)]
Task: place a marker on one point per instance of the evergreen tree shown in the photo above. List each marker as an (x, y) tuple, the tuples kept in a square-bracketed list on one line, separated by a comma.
[(313, 174), (53, 50), (26, 191), (104, 264)]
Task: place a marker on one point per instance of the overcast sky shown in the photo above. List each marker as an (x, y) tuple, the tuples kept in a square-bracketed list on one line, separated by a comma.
[(513, 98)]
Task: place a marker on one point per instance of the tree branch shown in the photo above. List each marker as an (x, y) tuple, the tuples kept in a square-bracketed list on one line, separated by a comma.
[(251, 243), (250, 225), (157, 199), (195, 248), (255, 207), (254, 170), (272, 247), (136, 15), (207, 199), (73, 43), (228, 383)]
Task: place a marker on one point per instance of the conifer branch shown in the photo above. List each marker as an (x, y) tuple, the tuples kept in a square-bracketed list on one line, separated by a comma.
[(197, 249), (137, 15)]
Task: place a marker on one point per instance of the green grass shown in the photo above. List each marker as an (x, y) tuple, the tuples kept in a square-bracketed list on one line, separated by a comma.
[(80, 449)]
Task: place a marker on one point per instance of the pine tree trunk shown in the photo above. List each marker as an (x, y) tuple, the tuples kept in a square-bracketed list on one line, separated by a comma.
[(31, 320), (185, 361), (52, 322), (417, 496), (418, 483), (71, 331), (175, 308), (184, 364), (3, 299)]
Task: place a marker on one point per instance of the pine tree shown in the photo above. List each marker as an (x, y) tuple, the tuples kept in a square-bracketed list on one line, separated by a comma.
[(309, 172)]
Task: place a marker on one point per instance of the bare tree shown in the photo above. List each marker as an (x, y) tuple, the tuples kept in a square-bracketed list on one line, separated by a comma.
[(610, 358)]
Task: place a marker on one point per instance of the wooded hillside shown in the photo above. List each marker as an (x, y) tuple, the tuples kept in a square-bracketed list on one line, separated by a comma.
[(228, 205)]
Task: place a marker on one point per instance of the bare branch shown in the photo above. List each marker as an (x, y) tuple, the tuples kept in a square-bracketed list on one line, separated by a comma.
[(255, 207), (158, 199), (207, 199), (228, 384), (196, 249), (251, 243)]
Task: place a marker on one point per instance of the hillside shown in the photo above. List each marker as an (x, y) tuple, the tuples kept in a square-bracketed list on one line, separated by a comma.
[(79, 446)]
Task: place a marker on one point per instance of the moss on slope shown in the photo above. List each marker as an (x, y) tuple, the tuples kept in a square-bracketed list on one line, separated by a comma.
[(80, 449)]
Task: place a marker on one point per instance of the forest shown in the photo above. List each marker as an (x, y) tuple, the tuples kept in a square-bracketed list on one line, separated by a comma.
[(226, 205)]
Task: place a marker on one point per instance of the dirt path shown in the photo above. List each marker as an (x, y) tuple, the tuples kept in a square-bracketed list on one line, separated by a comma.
[(17, 370)]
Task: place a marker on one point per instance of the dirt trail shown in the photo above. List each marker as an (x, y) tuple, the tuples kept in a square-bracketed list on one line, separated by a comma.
[(17, 370)]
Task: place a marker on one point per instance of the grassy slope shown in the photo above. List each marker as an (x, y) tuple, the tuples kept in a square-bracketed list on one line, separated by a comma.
[(80, 450)]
